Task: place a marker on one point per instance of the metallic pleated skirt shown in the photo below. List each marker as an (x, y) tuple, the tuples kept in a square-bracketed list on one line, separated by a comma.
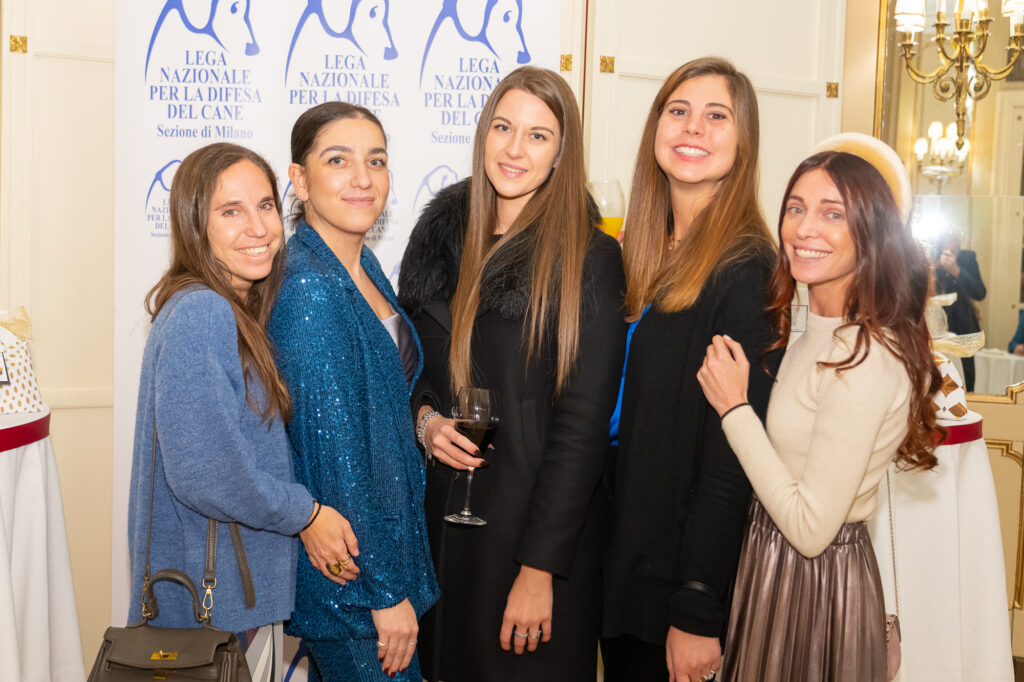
[(796, 619)]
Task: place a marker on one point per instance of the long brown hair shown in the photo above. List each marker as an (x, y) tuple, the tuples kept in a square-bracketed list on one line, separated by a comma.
[(556, 215), (885, 299), (193, 263), (729, 228)]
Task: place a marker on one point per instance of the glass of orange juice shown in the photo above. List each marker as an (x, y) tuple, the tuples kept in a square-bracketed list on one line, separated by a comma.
[(608, 195)]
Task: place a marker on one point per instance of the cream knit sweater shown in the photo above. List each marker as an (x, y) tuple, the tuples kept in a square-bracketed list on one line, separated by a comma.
[(829, 435)]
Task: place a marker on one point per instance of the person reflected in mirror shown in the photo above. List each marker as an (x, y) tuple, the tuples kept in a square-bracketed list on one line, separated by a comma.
[(1017, 342), (956, 271)]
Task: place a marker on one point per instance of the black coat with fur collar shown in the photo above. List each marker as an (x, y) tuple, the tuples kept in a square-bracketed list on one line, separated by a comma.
[(539, 494)]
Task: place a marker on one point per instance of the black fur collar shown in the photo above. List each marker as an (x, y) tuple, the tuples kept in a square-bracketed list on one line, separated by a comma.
[(430, 266)]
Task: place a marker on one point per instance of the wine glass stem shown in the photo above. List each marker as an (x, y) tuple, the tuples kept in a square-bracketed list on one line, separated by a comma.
[(469, 482)]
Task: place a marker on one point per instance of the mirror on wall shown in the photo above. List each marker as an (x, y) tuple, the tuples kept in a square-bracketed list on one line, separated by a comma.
[(968, 203)]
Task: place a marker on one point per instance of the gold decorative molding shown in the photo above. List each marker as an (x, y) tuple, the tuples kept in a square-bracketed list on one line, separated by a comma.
[(831, 89), (607, 64), (565, 63), (1014, 395), (19, 44), (1005, 449), (883, 24)]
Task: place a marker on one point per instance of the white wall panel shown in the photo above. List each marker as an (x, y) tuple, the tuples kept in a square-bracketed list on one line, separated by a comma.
[(789, 52)]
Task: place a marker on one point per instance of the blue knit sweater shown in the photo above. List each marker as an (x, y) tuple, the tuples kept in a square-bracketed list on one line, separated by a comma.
[(215, 459), (354, 440)]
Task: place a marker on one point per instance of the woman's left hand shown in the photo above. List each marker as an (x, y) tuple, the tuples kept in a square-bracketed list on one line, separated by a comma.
[(528, 611), (724, 374), (397, 630), (691, 658)]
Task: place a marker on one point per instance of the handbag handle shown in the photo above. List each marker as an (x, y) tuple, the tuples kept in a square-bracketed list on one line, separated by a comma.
[(152, 609), (149, 607)]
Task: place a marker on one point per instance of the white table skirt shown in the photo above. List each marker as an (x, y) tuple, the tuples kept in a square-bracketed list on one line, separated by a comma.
[(949, 556), (39, 637), (995, 369)]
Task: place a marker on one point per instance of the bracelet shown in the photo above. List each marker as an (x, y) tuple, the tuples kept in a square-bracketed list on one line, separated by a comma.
[(316, 513), (421, 429), (734, 407)]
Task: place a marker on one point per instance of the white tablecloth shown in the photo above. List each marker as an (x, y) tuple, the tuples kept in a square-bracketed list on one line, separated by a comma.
[(950, 565), (995, 369), (39, 638)]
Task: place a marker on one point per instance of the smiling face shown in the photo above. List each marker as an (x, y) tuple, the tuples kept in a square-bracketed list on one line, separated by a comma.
[(695, 144), (521, 147), (344, 181), (244, 226), (818, 241)]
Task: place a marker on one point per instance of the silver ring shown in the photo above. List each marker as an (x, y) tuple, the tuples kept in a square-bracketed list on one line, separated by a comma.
[(521, 635), (381, 645)]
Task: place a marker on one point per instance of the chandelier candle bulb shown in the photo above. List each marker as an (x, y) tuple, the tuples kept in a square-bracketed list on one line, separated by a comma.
[(910, 15), (1011, 7)]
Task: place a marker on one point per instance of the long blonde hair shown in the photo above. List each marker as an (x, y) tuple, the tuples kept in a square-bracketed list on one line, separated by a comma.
[(193, 263), (729, 228), (556, 215)]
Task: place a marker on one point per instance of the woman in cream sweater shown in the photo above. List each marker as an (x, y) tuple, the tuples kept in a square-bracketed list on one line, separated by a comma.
[(852, 394)]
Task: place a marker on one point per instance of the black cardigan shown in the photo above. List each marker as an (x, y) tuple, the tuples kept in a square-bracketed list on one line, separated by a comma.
[(680, 496)]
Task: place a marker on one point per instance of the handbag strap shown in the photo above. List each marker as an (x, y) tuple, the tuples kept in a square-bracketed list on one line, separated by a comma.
[(210, 570), (892, 540)]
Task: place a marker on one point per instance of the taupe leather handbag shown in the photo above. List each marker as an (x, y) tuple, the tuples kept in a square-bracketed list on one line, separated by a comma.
[(145, 652)]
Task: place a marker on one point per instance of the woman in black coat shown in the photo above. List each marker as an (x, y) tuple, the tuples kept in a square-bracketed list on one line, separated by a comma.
[(512, 288), (698, 255)]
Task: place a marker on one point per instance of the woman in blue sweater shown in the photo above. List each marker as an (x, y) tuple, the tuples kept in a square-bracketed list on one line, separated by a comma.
[(349, 356), (211, 396)]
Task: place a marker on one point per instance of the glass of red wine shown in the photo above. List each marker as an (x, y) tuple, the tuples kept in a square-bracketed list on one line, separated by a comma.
[(476, 416)]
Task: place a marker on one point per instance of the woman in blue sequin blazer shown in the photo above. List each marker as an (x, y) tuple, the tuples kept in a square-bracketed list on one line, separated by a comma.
[(349, 356)]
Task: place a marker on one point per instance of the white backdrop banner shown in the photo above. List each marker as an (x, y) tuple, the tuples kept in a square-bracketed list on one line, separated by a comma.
[(192, 72)]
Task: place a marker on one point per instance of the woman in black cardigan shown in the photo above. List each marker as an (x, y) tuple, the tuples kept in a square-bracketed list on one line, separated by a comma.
[(698, 254), (512, 288)]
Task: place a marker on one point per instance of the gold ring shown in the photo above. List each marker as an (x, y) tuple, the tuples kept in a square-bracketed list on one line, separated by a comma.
[(346, 561), (381, 645), (335, 568)]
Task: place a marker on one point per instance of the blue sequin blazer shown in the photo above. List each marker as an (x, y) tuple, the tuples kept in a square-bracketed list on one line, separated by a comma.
[(353, 436)]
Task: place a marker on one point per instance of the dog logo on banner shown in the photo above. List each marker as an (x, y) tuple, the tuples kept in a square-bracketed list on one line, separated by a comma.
[(157, 212), (500, 32), (343, 51), (366, 27), (226, 22), (432, 183)]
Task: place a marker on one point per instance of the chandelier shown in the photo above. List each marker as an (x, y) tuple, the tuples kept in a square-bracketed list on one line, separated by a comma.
[(959, 51), (938, 159)]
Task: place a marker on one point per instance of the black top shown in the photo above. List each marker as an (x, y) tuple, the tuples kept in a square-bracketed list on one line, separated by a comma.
[(961, 316), (680, 495)]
